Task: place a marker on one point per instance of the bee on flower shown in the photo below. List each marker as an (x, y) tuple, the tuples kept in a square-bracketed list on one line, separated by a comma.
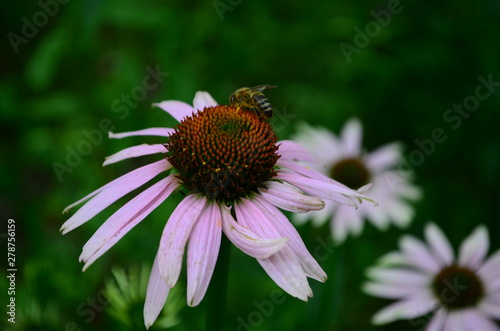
[(237, 176)]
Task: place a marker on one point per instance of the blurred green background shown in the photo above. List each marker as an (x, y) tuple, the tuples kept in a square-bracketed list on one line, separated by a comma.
[(80, 61)]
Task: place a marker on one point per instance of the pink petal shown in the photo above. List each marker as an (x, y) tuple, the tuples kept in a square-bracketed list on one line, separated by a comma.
[(474, 320), (490, 308), (490, 270), (203, 100), (439, 244), (248, 241), (406, 309), (314, 177), (156, 295), (399, 276), (454, 322), (474, 248), (282, 266), (392, 258), (317, 140), (391, 291), (384, 157), (178, 109), (134, 151), (292, 151), (418, 254), (347, 220), (126, 218), (321, 189), (287, 197), (339, 227), (162, 132), (437, 322), (286, 229), (109, 193), (203, 249), (176, 234), (351, 135), (286, 272)]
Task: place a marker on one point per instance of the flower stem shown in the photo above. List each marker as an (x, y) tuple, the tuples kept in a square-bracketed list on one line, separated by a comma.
[(216, 296)]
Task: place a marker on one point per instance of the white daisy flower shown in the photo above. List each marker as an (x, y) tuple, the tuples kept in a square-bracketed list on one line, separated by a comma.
[(343, 159), (462, 293)]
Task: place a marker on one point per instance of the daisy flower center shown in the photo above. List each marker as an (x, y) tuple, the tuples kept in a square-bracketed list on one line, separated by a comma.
[(457, 287), (223, 152), (350, 172)]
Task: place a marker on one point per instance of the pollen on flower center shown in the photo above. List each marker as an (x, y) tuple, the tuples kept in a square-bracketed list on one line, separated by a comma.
[(223, 152), (350, 172), (457, 287)]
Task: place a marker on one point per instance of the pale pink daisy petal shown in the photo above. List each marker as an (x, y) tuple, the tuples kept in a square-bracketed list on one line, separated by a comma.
[(156, 295), (351, 135), (391, 291), (177, 109), (109, 193), (134, 151), (490, 308), (286, 229), (288, 197), (474, 248), (392, 259), (494, 285), (126, 218), (439, 244), (384, 157), (318, 188), (399, 276), (418, 254), (437, 321), (351, 221), (475, 321), (407, 309), (203, 100), (339, 227), (287, 273), (176, 234), (162, 132), (292, 151), (283, 267), (202, 252), (313, 174), (400, 212), (454, 322), (321, 143), (248, 241), (491, 268)]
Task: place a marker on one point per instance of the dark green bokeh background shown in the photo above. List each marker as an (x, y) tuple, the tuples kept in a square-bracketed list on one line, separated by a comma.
[(70, 75)]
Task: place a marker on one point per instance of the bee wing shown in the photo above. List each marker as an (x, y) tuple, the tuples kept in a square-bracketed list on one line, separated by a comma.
[(263, 87)]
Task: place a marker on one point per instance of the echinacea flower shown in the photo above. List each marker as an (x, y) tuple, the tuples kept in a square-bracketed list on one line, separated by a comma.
[(342, 158), (236, 176), (463, 292)]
